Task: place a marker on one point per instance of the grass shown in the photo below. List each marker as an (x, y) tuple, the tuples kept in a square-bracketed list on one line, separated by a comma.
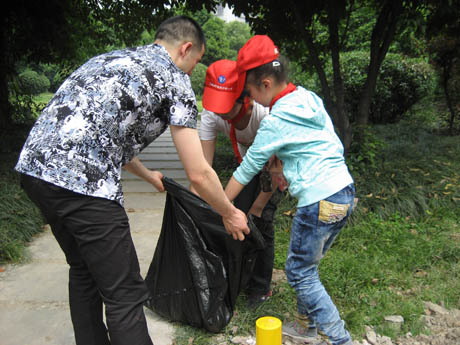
[(199, 104), (20, 220), (44, 98), (401, 247)]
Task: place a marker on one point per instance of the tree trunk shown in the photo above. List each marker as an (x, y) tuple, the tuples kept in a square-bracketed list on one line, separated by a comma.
[(445, 85), (5, 108), (382, 36), (334, 111), (329, 102), (314, 56), (342, 120)]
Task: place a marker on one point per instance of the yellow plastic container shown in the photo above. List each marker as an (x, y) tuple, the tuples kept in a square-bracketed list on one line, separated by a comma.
[(268, 331)]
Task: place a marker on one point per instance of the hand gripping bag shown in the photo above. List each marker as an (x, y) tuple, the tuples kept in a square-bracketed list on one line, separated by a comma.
[(198, 270)]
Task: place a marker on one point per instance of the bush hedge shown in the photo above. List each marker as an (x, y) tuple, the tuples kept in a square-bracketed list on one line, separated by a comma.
[(197, 79), (33, 83), (402, 82)]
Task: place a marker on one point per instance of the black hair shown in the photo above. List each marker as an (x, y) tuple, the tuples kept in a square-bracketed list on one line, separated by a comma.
[(277, 69), (179, 29)]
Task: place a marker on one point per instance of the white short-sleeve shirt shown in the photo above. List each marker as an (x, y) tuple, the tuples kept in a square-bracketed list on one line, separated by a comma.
[(212, 124)]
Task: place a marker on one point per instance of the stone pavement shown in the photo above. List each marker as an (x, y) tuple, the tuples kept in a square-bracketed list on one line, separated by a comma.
[(34, 306)]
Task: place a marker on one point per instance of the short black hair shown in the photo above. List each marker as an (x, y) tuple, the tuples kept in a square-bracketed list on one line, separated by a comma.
[(179, 29), (278, 69)]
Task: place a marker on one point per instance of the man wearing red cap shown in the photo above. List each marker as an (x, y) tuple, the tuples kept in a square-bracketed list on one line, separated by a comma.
[(227, 110)]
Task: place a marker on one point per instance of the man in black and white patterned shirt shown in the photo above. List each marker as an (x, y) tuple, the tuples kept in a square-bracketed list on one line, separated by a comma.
[(101, 117)]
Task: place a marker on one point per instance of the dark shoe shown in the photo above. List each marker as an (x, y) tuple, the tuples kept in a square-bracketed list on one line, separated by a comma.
[(255, 300)]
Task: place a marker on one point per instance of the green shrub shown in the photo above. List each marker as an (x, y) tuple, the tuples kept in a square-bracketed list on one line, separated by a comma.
[(25, 109), (197, 79), (20, 219), (365, 148), (402, 82), (62, 73), (33, 83), (303, 78)]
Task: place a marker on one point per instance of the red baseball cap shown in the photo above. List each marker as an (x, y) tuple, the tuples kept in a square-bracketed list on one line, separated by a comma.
[(221, 86), (257, 51)]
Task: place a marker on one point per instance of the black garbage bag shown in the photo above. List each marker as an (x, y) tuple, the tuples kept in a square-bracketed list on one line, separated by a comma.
[(198, 270)]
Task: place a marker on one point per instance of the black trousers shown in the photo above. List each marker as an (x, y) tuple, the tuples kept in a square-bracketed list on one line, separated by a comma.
[(263, 268), (104, 269)]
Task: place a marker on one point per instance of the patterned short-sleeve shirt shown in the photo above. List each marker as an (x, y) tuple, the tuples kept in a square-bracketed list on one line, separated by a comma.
[(103, 115)]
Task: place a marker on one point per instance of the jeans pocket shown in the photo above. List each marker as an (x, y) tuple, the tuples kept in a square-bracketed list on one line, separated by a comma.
[(330, 212)]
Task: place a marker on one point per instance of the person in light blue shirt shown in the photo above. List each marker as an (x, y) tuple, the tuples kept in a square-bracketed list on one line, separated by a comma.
[(300, 133)]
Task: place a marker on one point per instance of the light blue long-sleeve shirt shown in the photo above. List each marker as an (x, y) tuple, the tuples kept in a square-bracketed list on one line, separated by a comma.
[(300, 133)]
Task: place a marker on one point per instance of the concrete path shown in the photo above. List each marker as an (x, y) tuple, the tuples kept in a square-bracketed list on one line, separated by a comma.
[(34, 306)]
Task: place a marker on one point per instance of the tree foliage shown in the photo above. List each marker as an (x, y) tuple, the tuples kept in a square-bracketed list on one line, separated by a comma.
[(197, 79), (217, 44), (296, 31), (53, 31), (237, 34), (312, 33), (444, 46)]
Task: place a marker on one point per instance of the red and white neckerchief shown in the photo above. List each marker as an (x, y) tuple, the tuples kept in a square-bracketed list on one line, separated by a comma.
[(236, 119), (288, 89)]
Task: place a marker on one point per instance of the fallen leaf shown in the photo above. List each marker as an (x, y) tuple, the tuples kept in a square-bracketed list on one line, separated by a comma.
[(2, 269), (289, 213), (130, 210), (420, 273)]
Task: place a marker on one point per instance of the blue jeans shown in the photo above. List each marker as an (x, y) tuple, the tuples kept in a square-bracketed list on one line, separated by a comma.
[(314, 229)]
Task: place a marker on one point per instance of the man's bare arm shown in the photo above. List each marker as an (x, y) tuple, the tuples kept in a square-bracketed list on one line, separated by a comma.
[(154, 177), (205, 180)]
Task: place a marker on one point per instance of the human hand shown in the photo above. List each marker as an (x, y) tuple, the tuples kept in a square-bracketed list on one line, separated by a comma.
[(276, 172), (156, 179), (275, 165), (236, 224)]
